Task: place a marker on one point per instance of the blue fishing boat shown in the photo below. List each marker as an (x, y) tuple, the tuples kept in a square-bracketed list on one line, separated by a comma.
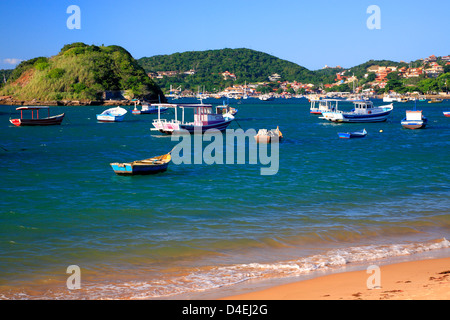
[(364, 111), (355, 134), (143, 167)]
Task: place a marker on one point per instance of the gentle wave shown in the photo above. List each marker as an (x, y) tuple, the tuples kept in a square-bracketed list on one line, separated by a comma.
[(206, 278)]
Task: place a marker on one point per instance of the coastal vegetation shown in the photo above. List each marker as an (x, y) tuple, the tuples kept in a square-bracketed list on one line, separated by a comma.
[(245, 64), (205, 70), (80, 72)]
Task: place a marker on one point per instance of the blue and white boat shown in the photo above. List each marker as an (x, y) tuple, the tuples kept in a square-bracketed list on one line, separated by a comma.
[(364, 111), (414, 120), (355, 134), (112, 115)]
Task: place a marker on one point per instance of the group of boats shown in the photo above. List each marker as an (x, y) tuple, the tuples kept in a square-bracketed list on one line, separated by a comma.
[(207, 117), (364, 111)]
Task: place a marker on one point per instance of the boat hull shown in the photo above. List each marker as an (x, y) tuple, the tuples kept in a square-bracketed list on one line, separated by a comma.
[(446, 113), (127, 169), (142, 167), (350, 135), (414, 124), (112, 115), (356, 118), (181, 128), (54, 120), (106, 118)]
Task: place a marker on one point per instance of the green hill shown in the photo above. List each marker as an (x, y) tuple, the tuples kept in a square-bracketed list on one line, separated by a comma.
[(248, 65), (80, 72)]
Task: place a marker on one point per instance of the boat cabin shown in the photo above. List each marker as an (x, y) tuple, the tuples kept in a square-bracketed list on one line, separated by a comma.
[(413, 115), (363, 107)]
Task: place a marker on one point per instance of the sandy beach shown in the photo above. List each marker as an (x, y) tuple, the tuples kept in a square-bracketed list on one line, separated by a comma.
[(415, 280)]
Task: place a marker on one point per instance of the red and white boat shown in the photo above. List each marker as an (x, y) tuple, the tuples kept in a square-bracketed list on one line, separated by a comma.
[(446, 113), (35, 120)]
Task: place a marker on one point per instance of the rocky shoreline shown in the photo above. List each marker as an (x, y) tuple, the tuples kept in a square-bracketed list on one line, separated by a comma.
[(10, 101)]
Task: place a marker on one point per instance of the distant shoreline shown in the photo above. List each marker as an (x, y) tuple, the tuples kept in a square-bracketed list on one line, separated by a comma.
[(10, 101)]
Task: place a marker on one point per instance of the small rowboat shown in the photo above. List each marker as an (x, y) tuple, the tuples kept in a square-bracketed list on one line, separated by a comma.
[(355, 134), (446, 113), (112, 115), (268, 136), (143, 167), (35, 120)]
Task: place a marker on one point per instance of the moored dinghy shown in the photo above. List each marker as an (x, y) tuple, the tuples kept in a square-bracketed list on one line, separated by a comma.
[(143, 167), (446, 113), (354, 134), (112, 115), (269, 136)]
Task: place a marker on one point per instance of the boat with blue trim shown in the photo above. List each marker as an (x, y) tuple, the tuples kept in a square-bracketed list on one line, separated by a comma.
[(112, 115), (414, 120), (363, 111), (354, 134)]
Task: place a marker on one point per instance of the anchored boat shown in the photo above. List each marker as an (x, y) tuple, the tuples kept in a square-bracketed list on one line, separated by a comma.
[(112, 115), (147, 108), (35, 120), (324, 105), (205, 118), (414, 120), (354, 134), (143, 167), (268, 136), (364, 111)]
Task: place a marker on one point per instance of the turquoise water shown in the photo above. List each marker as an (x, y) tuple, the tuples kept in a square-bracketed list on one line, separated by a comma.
[(197, 227)]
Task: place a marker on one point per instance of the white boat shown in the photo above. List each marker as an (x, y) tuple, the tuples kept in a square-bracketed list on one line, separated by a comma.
[(266, 97), (146, 108), (112, 115), (319, 106), (414, 120), (364, 111), (391, 98)]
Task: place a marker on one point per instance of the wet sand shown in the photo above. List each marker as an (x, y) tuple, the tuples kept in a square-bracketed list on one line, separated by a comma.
[(414, 280)]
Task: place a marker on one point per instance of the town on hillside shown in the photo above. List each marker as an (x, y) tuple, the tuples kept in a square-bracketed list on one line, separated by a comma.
[(428, 76)]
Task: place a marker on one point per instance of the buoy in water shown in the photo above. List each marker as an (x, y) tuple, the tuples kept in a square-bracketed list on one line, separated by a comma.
[(381, 130)]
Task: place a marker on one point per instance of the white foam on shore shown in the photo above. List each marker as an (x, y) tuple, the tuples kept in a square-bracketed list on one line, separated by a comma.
[(207, 278)]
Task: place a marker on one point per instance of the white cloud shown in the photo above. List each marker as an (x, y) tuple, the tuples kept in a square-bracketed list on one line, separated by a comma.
[(12, 61)]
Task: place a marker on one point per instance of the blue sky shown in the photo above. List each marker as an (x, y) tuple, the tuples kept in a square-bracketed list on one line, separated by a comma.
[(309, 33)]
